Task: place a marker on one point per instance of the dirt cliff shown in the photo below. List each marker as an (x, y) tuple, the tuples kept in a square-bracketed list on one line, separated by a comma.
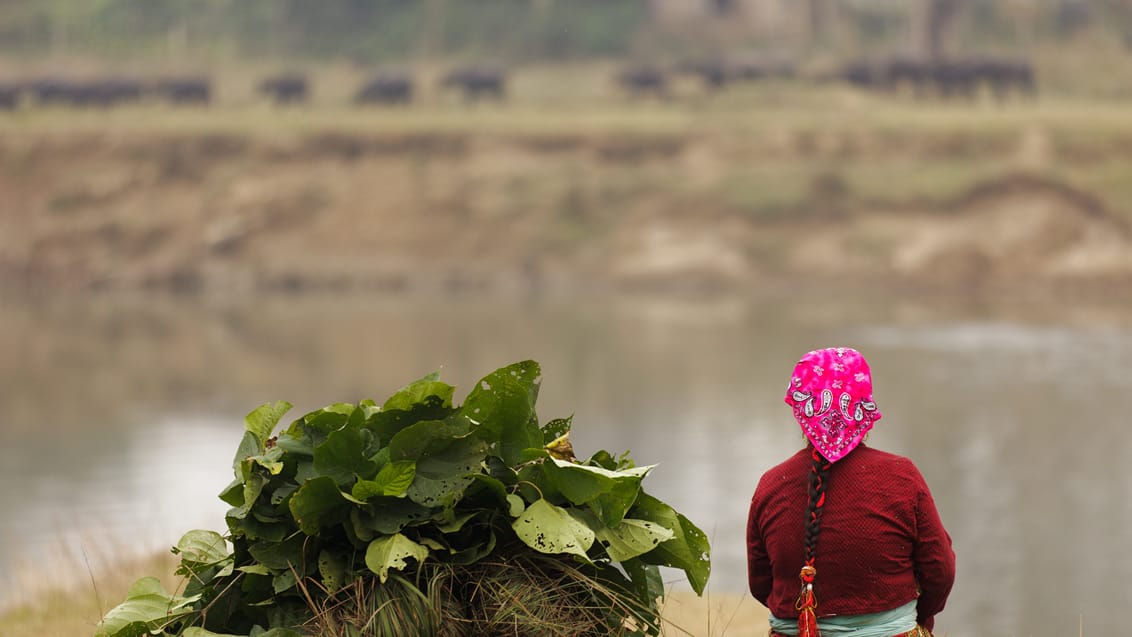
[(460, 210)]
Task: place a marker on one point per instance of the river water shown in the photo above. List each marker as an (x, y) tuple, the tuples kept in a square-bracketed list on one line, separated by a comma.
[(119, 417)]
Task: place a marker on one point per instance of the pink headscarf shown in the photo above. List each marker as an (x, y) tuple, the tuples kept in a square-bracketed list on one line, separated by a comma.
[(831, 392)]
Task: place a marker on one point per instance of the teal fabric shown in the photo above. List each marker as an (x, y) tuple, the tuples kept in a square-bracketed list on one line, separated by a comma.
[(883, 624)]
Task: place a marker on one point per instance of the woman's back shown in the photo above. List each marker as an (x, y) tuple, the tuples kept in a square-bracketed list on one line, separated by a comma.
[(841, 535), (881, 538)]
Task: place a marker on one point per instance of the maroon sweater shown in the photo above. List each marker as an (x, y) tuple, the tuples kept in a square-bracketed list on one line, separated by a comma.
[(881, 543)]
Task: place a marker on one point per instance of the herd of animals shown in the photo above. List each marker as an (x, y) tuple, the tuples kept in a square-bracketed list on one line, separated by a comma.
[(951, 79)]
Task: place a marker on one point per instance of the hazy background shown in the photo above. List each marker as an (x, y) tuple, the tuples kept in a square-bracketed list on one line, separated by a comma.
[(664, 202)]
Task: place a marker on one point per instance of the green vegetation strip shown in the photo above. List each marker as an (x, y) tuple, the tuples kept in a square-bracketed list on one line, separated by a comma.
[(420, 516)]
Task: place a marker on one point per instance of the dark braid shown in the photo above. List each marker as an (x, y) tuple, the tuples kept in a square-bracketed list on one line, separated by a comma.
[(819, 478)]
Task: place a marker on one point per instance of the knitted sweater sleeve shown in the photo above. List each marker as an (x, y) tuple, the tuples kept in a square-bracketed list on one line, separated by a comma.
[(933, 559), (758, 561)]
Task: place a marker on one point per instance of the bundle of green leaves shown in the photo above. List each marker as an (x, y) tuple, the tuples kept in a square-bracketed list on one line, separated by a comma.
[(421, 517)]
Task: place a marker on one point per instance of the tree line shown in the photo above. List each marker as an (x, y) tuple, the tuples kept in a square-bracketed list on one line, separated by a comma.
[(509, 31)]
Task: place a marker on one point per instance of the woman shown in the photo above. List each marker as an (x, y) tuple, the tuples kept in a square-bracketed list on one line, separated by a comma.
[(857, 526)]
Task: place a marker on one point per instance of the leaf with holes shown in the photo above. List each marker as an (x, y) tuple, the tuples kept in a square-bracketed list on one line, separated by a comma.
[(501, 407), (551, 529), (631, 538), (390, 552)]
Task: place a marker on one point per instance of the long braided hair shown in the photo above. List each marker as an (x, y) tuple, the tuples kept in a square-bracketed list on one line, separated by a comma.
[(830, 392), (807, 603), (818, 479)]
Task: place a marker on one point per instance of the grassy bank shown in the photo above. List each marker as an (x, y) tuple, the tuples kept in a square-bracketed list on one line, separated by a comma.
[(587, 186)]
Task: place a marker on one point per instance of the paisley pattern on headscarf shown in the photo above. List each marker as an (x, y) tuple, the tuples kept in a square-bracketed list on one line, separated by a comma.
[(831, 392)]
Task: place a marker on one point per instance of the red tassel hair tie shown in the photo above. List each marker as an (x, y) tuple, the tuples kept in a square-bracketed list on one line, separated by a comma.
[(807, 604)]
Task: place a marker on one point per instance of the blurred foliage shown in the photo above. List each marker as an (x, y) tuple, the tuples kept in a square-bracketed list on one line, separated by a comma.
[(373, 31), (363, 30)]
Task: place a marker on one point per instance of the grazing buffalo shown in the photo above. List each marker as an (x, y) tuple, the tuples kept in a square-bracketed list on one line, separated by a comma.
[(960, 78), (476, 82), (643, 80), (386, 87), (185, 91), (718, 73), (111, 91), (9, 97), (1005, 76), (51, 91), (101, 93), (286, 88), (865, 75)]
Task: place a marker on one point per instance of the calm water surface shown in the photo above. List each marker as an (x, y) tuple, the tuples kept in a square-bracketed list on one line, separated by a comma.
[(119, 418)]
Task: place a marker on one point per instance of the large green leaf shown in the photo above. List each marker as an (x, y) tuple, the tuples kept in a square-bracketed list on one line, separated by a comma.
[(688, 550), (487, 492), (346, 455), (317, 504), (252, 529), (551, 529), (501, 406), (424, 399), (446, 456), (314, 427), (442, 477), (251, 490), (147, 606), (262, 420), (332, 569), (393, 480), (250, 447), (631, 538), (555, 428), (427, 436), (647, 582), (425, 391), (202, 547), (281, 555), (390, 552), (387, 515), (609, 493)]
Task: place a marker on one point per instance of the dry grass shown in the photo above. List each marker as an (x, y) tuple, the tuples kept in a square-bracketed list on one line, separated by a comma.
[(68, 609), (713, 615)]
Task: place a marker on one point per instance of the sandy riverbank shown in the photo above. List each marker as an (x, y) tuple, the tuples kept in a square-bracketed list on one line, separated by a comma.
[(656, 199)]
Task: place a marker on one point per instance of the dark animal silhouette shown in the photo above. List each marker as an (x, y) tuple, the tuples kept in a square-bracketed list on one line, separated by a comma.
[(1005, 77), (107, 92), (643, 80), (947, 79), (187, 91), (864, 74), (386, 87), (9, 96), (101, 93), (51, 91), (286, 88), (477, 82)]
